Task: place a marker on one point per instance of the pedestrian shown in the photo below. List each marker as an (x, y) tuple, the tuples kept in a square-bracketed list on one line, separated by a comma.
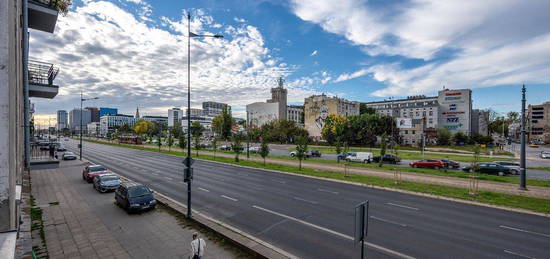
[(197, 247)]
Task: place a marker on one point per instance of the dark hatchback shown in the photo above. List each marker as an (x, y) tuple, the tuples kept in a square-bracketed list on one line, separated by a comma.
[(133, 197)]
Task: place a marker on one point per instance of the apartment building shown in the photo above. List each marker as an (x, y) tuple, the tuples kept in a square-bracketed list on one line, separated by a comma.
[(318, 107), (213, 109), (295, 113), (413, 107), (108, 123), (174, 116), (539, 122)]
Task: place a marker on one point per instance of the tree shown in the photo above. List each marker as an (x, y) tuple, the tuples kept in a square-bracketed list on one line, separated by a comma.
[(301, 150), (334, 124), (196, 131), (443, 137), (460, 137), (215, 146), (125, 128), (264, 150), (513, 117), (237, 146), (159, 140), (181, 142), (141, 127), (170, 141), (383, 144), (222, 123), (364, 109)]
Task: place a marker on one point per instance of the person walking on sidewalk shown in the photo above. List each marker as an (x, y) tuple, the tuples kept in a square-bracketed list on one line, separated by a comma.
[(197, 247)]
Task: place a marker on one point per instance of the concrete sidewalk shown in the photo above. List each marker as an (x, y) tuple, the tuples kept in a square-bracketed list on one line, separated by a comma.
[(79, 222)]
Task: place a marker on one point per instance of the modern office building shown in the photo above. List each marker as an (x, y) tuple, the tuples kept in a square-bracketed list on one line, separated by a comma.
[(480, 122), (260, 113), (93, 129), (107, 111), (195, 112), (318, 107), (295, 113), (75, 122), (213, 109), (539, 122), (174, 116), (158, 119), (108, 123), (455, 110), (94, 113), (413, 107), (62, 120)]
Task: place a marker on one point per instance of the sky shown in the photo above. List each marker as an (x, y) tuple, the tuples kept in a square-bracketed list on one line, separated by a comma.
[(133, 53)]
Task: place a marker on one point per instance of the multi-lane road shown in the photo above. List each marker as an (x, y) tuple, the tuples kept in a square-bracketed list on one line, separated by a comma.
[(313, 218)]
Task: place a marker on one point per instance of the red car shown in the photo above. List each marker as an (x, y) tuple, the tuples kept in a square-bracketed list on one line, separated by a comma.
[(427, 163), (91, 171)]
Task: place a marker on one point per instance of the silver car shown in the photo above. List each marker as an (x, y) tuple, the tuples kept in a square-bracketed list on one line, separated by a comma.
[(545, 154), (106, 182), (514, 166)]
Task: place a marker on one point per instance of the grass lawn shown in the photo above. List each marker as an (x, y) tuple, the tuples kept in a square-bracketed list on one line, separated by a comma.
[(529, 203)]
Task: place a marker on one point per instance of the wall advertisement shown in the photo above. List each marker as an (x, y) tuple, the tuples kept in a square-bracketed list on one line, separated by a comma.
[(455, 109), (404, 123)]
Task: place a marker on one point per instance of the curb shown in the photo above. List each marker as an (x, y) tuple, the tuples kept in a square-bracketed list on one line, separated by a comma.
[(253, 245)]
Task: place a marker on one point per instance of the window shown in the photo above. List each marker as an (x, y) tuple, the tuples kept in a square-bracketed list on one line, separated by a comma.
[(417, 113), (406, 132), (431, 112), (414, 132), (430, 120), (424, 113), (411, 114), (538, 117)]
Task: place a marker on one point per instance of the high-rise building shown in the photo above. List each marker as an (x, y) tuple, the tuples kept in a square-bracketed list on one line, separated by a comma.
[(318, 107), (279, 95), (75, 122), (94, 113), (455, 110), (538, 121), (108, 122), (213, 109), (174, 116), (195, 112), (480, 122), (62, 120), (107, 111)]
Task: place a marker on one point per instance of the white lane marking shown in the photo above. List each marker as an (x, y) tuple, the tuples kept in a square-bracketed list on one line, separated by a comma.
[(381, 248), (169, 178), (229, 198), (525, 231), (517, 254), (278, 181), (402, 206), (388, 221), (304, 200), (202, 189), (329, 191)]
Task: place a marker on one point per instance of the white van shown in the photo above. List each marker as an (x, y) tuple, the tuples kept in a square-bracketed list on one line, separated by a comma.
[(362, 157)]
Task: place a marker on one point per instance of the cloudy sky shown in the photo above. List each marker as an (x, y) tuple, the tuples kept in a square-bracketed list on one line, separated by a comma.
[(132, 53)]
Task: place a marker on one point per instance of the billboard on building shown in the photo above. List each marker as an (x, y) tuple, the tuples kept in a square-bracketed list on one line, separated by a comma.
[(404, 123), (455, 109)]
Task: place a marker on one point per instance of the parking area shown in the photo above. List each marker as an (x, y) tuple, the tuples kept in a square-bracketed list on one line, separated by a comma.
[(80, 222)]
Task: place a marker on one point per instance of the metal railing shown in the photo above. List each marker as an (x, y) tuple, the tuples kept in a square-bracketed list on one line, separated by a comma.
[(42, 73)]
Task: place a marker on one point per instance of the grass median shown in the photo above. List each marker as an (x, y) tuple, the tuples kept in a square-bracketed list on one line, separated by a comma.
[(515, 201)]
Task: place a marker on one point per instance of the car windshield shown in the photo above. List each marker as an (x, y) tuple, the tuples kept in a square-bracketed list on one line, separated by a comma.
[(97, 169), (138, 191), (109, 178)]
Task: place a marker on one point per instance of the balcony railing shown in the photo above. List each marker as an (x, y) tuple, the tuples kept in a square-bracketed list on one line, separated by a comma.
[(41, 73), (58, 5)]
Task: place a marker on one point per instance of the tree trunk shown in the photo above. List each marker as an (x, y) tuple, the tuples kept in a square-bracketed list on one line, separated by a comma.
[(300, 164), (264, 160)]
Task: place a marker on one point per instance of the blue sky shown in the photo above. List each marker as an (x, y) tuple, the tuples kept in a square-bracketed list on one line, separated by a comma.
[(133, 52)]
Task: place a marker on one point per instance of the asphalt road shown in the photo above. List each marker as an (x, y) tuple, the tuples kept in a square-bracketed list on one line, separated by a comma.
[(313, 218)]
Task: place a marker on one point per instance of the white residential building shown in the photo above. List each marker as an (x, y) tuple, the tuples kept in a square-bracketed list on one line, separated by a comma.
[(213, 109), (108, 122), (261, 113), (413, 107), (94, 129), (174, 116)]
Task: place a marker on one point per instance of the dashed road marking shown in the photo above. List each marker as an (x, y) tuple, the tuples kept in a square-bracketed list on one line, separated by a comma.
[(229, 198), (304, 200), (518, 254), (325, 190), (402, 206), (525, 231), (202, 189), (388, 221)]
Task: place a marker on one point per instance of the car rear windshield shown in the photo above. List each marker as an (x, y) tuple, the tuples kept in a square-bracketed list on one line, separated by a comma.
[(138, 191), (109, 178), (97, 169)]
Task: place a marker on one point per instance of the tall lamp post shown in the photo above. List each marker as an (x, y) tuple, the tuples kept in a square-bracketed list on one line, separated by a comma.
[(188, 171), (522, 182), (80, 129)]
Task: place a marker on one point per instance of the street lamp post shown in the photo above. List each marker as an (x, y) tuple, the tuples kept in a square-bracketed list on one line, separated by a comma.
[(522, 183), (188, 172), (80, 129)]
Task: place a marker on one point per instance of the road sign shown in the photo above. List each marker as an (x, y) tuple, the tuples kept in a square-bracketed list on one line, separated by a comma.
[(187, 174), (188, 161), (361, 224)]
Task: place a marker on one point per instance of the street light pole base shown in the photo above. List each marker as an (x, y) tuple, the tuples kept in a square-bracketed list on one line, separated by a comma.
[(523, 189)]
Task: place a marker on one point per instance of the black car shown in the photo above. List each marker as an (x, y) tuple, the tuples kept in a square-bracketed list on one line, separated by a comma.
[(132, 196), (450, 164), (387, 158), (315, 153)]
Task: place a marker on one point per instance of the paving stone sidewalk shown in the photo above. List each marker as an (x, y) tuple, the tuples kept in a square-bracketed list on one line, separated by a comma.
[(79, 222)]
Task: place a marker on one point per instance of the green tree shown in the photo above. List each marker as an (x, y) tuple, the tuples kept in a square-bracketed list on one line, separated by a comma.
[(170, 141), (383, 144), (334, 124), (264, 150), (125, 128), (364, 109), (443, 137), (338, 148), (215, 146), (460, 137), (196, 131), (182, 143), (301, 150), (222, 123), (237, 145), (159, 140)]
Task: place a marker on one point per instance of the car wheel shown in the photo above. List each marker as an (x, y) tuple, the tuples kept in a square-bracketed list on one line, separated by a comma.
[(500, 174), (292, 155)]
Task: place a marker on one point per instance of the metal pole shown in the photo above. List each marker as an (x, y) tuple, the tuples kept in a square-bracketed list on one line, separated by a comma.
[(80, 129), (522, 184), (189, 112), (26, 108)]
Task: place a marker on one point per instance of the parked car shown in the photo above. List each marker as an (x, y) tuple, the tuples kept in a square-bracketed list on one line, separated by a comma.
[(545, 154), (428, 163), (514, 166), (92, 171), (68, 156), (295, 153), (315, 153), (450, 164), (489, 168), (106, 182), (362, 157), (254, 149), (225, 147), (387, 158), (61, 147), (133, 196), (342, 156)]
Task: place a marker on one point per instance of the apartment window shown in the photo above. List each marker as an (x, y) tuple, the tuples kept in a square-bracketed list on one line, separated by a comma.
[(430, 120), (538, 117), (406, 132), (431, 113), (424, 113), (417, 113), (411, 114), (414, 132)]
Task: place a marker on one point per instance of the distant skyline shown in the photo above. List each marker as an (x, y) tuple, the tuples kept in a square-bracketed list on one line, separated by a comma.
[(133, 52)]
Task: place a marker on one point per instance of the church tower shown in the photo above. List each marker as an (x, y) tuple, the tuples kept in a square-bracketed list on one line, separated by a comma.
[(279, 95)]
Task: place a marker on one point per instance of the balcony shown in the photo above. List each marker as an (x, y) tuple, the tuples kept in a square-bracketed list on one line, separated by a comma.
[(41, 76), (43, 13)]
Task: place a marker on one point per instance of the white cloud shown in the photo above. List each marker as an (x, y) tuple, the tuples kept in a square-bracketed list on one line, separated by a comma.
[(483, 43), (314, 53), (110, 53), (239, 20)]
